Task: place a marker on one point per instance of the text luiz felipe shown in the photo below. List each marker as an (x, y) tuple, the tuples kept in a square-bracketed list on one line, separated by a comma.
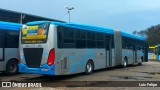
[(148, 85)]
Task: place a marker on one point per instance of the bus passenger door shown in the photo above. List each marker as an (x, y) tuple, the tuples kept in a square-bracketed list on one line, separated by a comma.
[(108, 51)]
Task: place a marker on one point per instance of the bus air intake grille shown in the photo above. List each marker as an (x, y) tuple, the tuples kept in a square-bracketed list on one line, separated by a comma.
[(33, 57)]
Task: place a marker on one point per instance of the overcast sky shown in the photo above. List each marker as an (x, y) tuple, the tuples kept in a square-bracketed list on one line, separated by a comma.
[(124, 15)]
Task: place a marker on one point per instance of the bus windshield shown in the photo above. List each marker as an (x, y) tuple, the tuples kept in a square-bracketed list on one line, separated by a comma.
[(31, 34)]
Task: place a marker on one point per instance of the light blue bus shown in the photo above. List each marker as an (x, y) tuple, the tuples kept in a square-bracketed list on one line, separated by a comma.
[(56, 48), (9, 40)]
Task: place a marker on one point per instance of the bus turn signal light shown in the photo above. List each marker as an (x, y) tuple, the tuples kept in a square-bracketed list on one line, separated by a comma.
[(51, 57)]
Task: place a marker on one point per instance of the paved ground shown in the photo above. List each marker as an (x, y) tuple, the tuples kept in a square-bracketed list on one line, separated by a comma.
[(149, 71)]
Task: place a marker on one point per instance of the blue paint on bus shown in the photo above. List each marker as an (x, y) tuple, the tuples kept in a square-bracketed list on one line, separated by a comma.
[(89, 28), (85, 27), (44, 69), (10, 26), (132, 36)]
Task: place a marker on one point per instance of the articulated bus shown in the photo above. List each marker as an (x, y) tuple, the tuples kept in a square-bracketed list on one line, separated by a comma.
[(152, 52), (9, 40), (56, 48)]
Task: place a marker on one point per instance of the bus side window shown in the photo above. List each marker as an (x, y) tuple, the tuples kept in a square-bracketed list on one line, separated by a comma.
[(80, 39), (78, 34), (65, 37), (124, 43), (59, 36), (11, 39), (91, 43), (68, 40), (100, 40)]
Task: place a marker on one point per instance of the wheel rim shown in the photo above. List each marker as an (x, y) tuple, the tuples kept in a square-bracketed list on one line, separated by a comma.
[(12, 67), (89, 67)]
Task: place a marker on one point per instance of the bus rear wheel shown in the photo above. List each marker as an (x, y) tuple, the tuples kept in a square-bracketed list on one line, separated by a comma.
[(89, 67), (12, 67)]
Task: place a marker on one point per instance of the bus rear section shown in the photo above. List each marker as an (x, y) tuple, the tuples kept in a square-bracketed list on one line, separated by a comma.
[(36, 50), (55, 52), (9, 39)]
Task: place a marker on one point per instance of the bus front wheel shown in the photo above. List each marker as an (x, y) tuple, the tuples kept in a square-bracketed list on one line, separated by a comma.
[(12, 67), (89, 67)]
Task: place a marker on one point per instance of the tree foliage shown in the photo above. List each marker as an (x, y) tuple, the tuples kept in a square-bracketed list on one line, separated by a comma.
[(152, 34)]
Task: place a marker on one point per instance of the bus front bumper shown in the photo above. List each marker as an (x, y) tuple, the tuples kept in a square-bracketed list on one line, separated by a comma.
[(43, 69)]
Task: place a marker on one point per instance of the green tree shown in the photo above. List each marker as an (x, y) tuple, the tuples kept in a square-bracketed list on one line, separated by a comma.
[(152, 34)]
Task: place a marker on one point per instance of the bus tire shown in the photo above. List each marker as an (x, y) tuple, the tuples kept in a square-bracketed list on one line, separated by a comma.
[(125, 62), (12, 67), (89, 67), (140, 63)]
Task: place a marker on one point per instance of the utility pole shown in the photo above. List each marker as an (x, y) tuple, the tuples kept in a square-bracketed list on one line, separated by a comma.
[(68, 11), (21, 18)]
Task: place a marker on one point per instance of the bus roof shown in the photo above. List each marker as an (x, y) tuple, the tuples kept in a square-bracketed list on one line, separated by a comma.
[(132, 36), (78, 26), (86, 27), (10, 26), (89, 28)]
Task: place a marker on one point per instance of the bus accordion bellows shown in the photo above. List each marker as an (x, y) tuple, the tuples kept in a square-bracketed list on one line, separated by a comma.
[(56, 48), (9, 40)]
